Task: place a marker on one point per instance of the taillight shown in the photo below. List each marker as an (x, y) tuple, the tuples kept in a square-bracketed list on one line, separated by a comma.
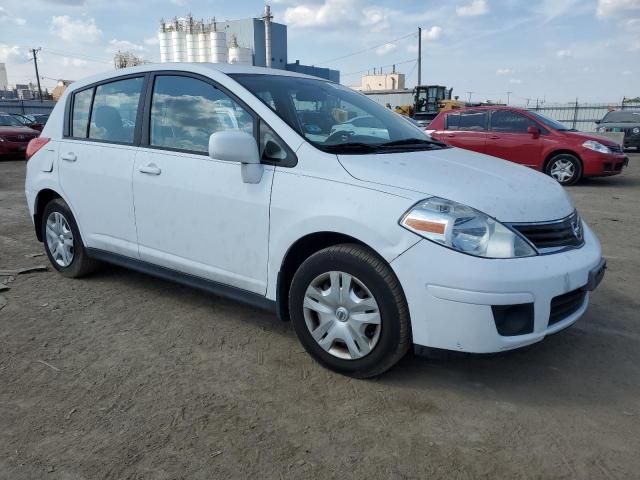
[(36, 144)]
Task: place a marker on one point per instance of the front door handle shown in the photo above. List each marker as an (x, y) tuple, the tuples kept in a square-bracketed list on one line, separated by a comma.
[(69, 157), (150, 169), (494, 137), (451, 135)]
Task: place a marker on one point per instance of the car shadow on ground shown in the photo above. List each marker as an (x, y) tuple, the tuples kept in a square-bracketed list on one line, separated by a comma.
[(523, 376)]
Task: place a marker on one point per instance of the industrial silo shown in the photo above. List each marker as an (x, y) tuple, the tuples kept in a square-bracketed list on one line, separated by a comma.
[(218, 45), (165, 43), (239, 55), (178, 42), (204, 47)]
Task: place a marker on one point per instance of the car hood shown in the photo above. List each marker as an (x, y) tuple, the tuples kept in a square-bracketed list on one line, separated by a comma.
[(595, 137), (501, 189), (18, 131)]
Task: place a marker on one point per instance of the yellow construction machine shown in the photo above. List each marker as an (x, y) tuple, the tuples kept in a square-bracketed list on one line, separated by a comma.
[(428, 101)]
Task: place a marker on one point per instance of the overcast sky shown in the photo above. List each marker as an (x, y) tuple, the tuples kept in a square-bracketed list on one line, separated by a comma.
[(553, 49)]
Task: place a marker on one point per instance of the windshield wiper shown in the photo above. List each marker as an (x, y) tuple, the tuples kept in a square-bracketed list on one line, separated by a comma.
[(350, 147), (412, 141)]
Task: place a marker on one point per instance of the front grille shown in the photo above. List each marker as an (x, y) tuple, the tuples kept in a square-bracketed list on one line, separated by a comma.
[(565, 305), (550, 237), (616, 148)]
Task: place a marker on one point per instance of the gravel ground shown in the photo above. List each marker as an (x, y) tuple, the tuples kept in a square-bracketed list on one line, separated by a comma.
[(121, 375)]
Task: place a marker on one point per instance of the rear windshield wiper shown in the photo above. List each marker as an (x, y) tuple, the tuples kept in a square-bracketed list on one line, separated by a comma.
[(412, 142)]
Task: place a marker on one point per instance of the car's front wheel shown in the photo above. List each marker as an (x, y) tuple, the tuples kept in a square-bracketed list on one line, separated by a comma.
[(62, 241), (349, 311), (565, 168)]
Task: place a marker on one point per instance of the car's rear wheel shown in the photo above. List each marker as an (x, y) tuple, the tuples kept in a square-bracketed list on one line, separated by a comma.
[(62, 241), (565, 168), (349, 311)]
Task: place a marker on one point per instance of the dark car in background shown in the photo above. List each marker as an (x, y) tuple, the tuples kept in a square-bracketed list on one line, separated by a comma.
[(28, 121), (531, 139), (14, 136), (625, 121)]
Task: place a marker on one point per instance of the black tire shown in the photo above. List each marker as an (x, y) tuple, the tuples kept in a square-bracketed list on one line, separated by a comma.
[(565, 157), (81, 264), (395, 328)]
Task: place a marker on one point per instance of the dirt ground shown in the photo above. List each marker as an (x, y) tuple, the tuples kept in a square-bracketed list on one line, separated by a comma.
[(121, 375)]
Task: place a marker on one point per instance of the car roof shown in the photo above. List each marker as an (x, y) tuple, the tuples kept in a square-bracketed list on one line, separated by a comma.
[(193, 67), (489, 107)]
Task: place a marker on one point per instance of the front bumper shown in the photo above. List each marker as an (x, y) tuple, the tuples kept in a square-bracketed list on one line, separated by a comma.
[(632, 140), (452, 296), (600, 164), (13, 148)]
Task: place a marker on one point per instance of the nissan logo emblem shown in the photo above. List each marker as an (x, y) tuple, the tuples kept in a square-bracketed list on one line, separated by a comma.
[(576, 227)]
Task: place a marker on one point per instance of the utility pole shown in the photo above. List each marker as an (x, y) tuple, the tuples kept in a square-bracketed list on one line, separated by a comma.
[(470, 93), (35, 63), (508, 97), (419, 56)]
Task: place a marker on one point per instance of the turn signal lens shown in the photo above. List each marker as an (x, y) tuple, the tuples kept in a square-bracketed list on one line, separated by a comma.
[(34, 145)]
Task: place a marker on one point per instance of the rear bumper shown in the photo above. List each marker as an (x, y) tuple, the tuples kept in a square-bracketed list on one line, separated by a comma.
[(455, 300)]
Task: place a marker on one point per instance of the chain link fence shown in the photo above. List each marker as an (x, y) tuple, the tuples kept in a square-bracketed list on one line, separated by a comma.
[(581, 116), (24, 107)]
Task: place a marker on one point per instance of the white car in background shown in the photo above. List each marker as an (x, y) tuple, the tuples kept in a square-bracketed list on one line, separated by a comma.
[(363, 125), (368, 243)]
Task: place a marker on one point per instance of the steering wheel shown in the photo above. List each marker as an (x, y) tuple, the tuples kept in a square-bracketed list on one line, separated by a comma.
[(341, 136)]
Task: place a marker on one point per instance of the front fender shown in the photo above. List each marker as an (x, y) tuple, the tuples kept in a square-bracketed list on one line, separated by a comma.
[(366, 214)]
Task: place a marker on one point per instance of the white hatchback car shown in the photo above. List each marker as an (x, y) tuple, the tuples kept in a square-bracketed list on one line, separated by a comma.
[(367, 245)]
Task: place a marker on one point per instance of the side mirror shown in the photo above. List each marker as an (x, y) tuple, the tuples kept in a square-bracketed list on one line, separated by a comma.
[(597, 122), (534, 131), (237, 146)]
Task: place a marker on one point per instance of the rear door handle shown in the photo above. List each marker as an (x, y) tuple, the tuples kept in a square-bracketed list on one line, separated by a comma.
[(69, 157), (494, 137), (450, 135), (150, 169)]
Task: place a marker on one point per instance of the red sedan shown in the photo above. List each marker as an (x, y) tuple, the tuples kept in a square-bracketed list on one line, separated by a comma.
[(529, 138), (14, 137)]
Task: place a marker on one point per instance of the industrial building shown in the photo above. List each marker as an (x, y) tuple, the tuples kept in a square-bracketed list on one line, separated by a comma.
[(4, 82), (251, 41)]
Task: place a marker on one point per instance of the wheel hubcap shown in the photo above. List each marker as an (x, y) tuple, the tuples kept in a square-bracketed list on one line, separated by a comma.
[(342, 315), (59, 239), (562, 170)]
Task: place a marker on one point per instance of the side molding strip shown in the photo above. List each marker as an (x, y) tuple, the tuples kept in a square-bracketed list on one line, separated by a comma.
[(220, 289)]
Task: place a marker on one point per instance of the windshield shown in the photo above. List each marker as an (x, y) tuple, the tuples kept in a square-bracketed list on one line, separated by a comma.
[(334, 118), (622, 117), (549, 122), (7, 121)]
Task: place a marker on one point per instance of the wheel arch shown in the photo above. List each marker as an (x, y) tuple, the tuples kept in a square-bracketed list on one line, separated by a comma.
[(42, 199), (562, 151), (297, 253)]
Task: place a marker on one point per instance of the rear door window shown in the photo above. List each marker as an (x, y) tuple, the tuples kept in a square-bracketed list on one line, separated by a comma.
[(114, 111), (510, 122), (473, 121), (81, 111)]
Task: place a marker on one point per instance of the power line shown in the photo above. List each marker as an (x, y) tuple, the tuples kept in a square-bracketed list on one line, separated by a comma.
[(381, 66), (366, 49)]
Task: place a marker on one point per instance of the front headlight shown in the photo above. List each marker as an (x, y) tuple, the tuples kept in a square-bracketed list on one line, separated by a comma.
[(462, 228), (596, 146), (1, 139), (636, 130), (601, 129)]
